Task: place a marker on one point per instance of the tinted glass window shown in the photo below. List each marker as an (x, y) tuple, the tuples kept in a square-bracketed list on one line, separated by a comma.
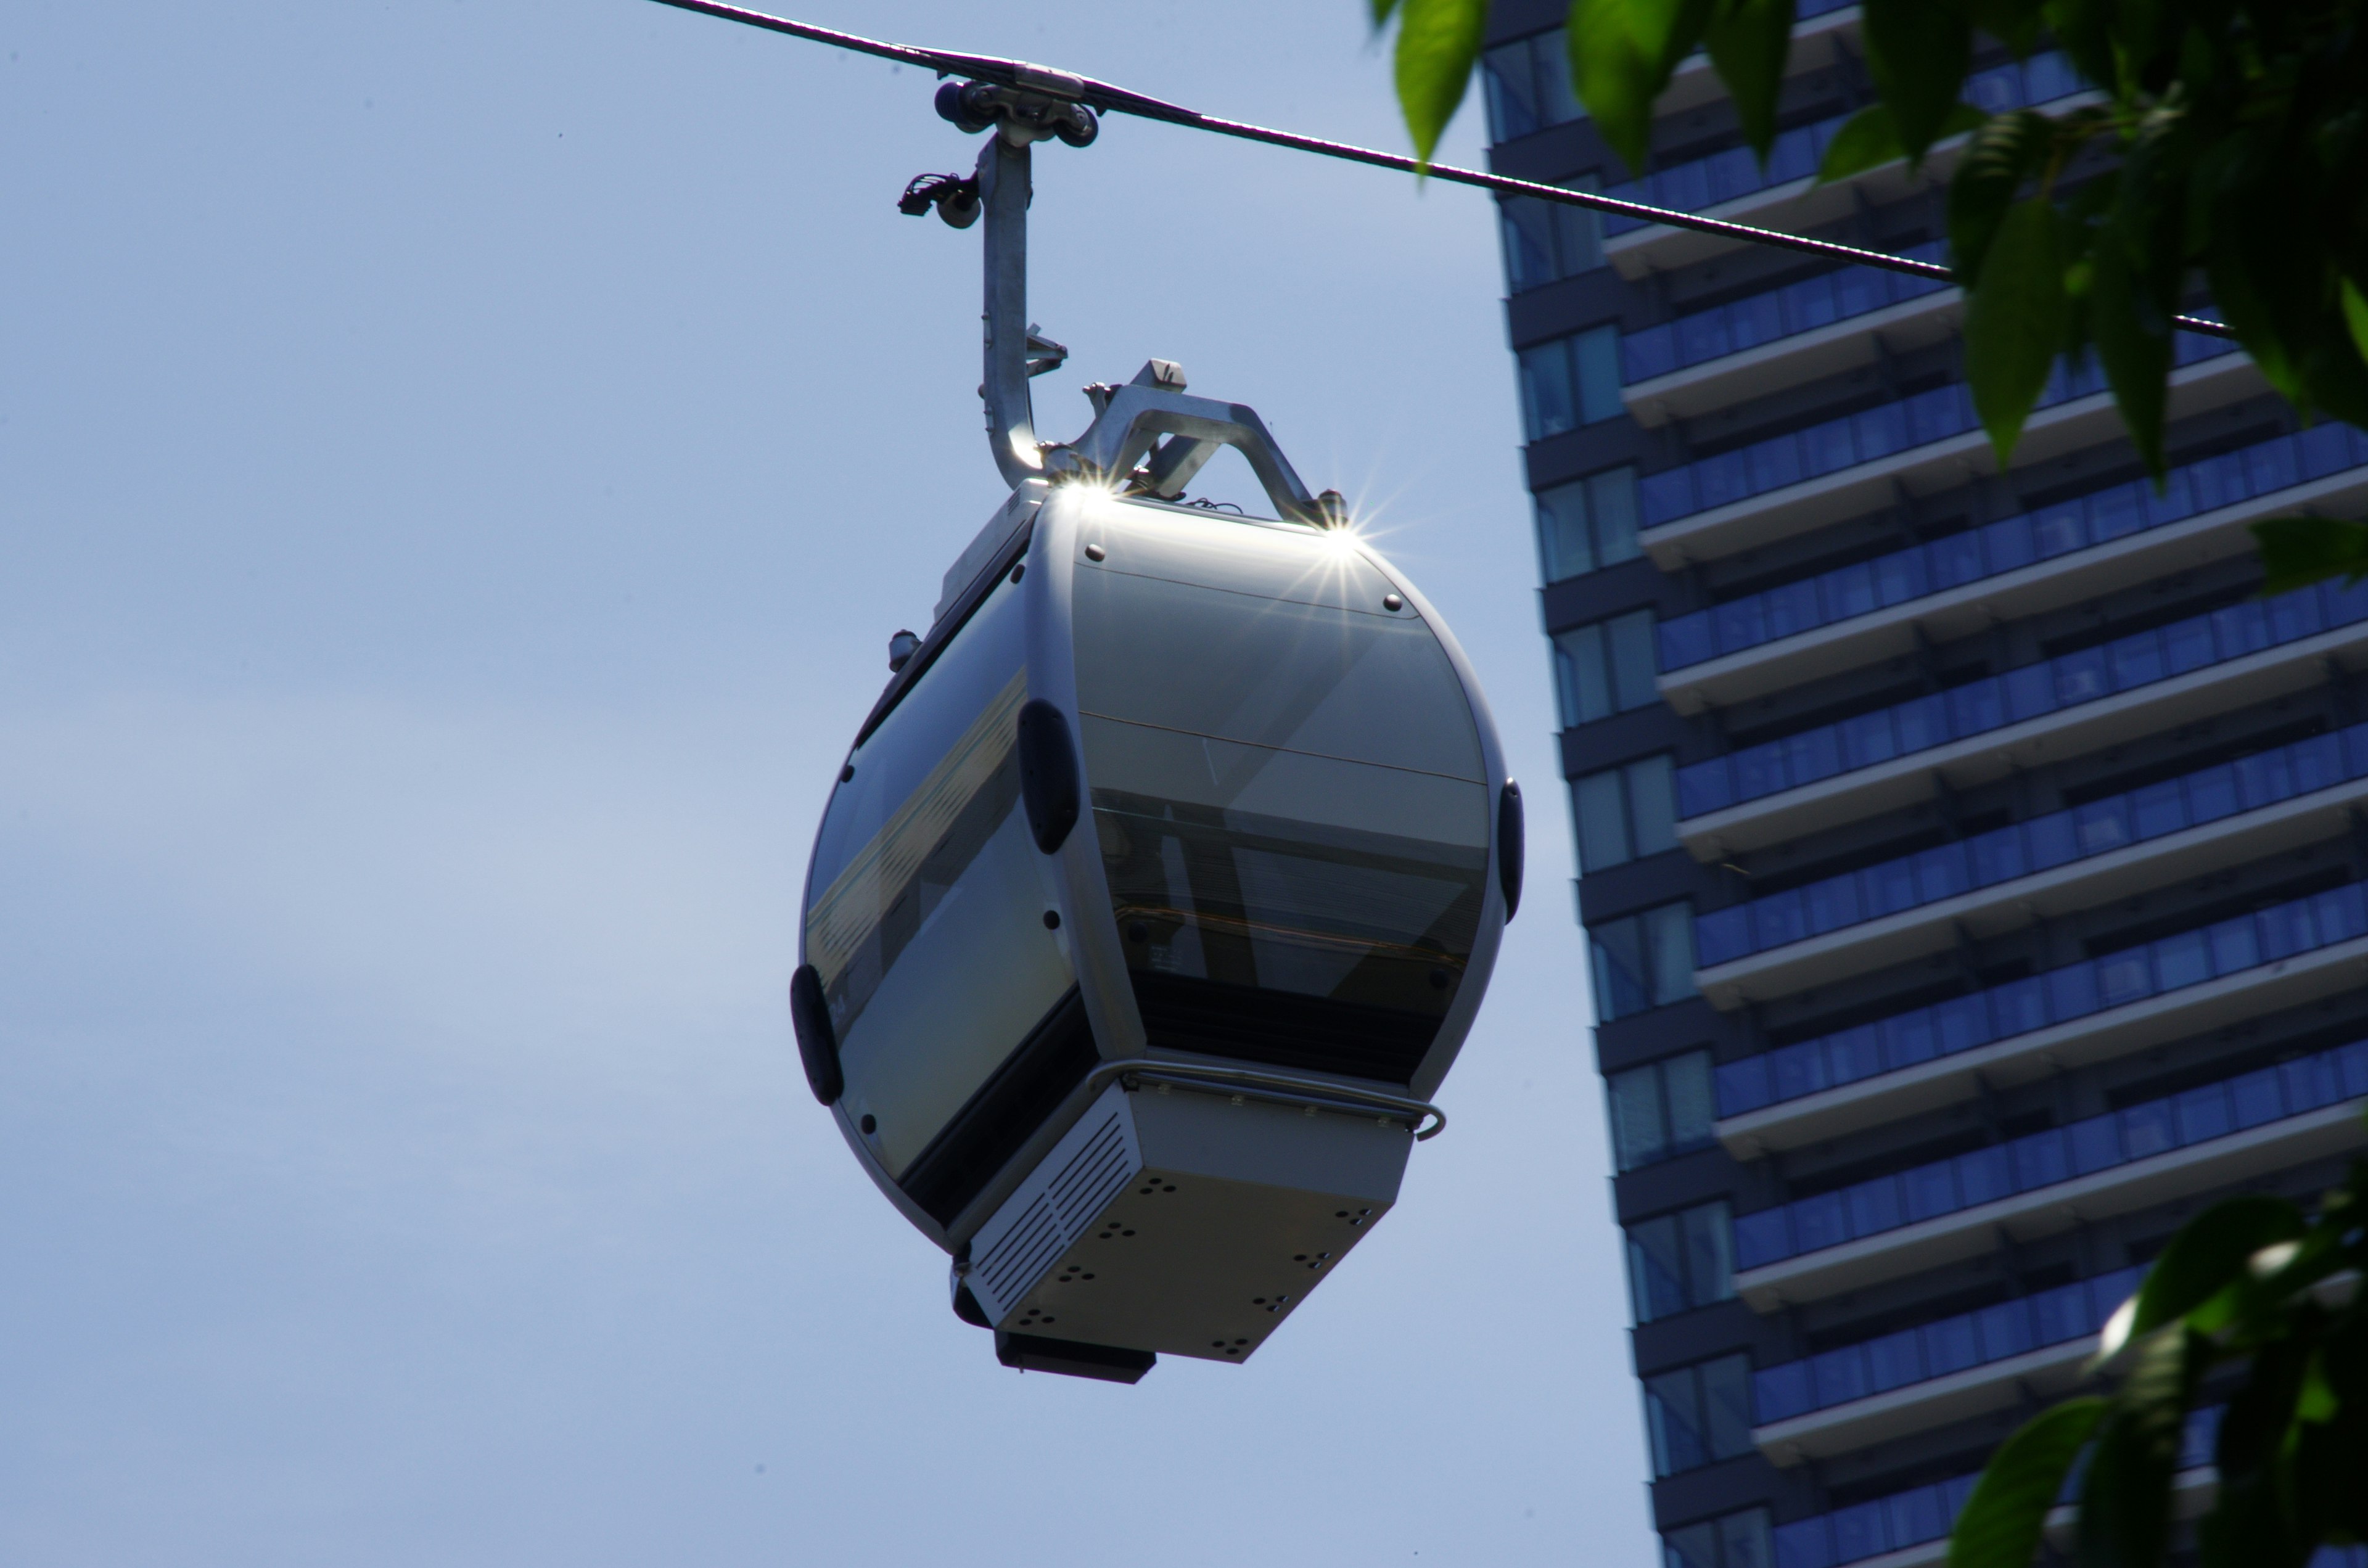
[(1696, 1546), (1624, 812), (1549, 405), (1669, 944), (1601, 802), (1726, 1399), (1643, 961), (1611, 502), (1508, 76), (1744, 1541), (1288, 794), (1596, 356), (1673, 1419), (1546, 241), (1633, 658), (924, 898), (1606, 668), (1529, 233), (1680, 1261), (1653, 804), (1710, 1265), (1526, 85), (1692, 1108), (1587, 524), (1565, 538), (1617, 947), (1639, 1130), (915, 736)]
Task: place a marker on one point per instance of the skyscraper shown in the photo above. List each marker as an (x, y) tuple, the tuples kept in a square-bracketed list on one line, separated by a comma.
[(1971, 862)]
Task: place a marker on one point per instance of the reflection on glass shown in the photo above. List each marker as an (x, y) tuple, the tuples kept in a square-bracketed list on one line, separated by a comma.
[(2001, 855), (1288, 800), (1219, 903), (2039, 1159), (1936, 415), (2026, 692), (1737, 171), (924, 891)]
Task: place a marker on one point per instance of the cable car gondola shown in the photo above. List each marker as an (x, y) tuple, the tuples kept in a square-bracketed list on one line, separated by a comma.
[(1163, 881)]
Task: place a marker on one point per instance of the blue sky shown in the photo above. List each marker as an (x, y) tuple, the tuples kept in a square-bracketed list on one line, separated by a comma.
[(459, 465)]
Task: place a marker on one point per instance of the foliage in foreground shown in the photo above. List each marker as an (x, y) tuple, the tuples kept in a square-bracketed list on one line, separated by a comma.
[(2227, 142), (2249, 1283)]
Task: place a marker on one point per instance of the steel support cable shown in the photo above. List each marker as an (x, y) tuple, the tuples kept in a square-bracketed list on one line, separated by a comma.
[(1109, 99)]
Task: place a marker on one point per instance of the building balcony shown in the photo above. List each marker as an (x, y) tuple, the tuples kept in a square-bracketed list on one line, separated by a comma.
[(2184, 984), (1880, 1418), (1910, 1529), (1784, 193), (1769, 490), (2050, 866), (1824, 32), (2045, 1182), (1788, 336), (1927, 1376), (2017, 567), (2038, 714)]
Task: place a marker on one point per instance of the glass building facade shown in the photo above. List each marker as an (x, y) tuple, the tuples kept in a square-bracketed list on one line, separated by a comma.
[(1974, 866)]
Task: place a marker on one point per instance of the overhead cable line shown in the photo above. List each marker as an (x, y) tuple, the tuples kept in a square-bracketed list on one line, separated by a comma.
[(1109, 99)]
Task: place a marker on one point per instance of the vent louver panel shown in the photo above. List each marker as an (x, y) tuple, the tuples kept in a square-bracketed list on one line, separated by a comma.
[(1056, 1206), (1091, 1178), (1025, 1251)]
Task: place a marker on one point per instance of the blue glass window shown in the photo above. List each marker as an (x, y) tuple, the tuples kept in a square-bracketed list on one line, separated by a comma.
[(1661, 1109), (1642, 961), (1587, 523), (1526, 85)]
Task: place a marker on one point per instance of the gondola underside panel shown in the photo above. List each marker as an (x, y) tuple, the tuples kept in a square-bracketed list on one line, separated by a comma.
[(1184, 1221)]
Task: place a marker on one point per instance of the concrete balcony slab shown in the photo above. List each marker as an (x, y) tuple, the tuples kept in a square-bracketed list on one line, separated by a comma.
[(1917, 1407), (1969, 1232), (1794, 359), (1795, 207), (2220, 688), (2011, 905), (1830, 498), (2042, 1053), (1972, 608)]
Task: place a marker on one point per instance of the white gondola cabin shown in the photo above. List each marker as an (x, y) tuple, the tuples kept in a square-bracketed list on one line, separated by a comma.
[(1163, 883)]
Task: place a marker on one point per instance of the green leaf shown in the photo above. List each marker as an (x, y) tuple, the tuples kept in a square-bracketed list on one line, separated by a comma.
[(2334, 1455), (2298, 551), (2253, 1430), (2247, 1527), (1439, 41), (2000, 1524), (1381, 9), (2006, 149), (1622, 52), (2126, 1496), (1748, 41), (2332, 368), (2243, 273), (2135, 275), (2329, 1463), (2209, 1253), (1917, 52), (2135, 355), (1871, 138), (2083, 28), (2355, 315), (2014, 23), (2015, 321)]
